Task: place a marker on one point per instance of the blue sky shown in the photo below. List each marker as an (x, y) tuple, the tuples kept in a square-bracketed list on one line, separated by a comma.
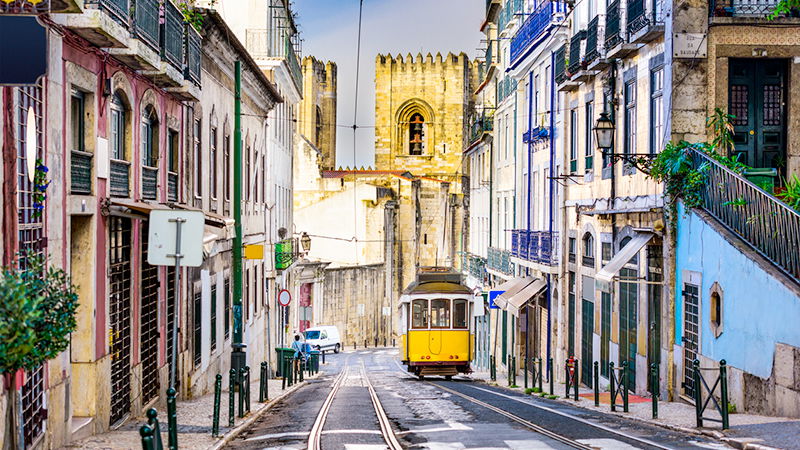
[(330, 29)]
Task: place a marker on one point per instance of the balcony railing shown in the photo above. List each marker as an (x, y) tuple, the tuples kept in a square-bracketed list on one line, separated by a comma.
[(489, 55), (575, 60), (192, 54), (613, 25), (561, 64), (741, 8), (593, 40), (535, 135), (149, 183), (172, 186), (81, 173), (172, 31), (294, 65), (480, 125), (145, 25), (537, 246), (119, 10), (506, 87), (510, 9), (766, 223), (548, 13), (120, 178), (499, 260), (475, 266)]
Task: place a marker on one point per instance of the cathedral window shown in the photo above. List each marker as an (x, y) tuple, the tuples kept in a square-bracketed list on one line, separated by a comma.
[(416, 134)]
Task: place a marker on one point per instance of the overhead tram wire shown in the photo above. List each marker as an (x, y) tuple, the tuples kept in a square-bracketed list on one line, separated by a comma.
[(355, 127)]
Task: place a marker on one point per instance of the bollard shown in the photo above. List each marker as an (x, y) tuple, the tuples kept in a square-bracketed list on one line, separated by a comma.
[(266, 382), (303, 364), (172, 419), (247, 389), (723, 387), (365, 343), (262, 379), (698, 396), (323, 356), (513, 370), (354, 345), (231, 396), (525, 372), (508, 369), (596, 383), (384, 342), (217, 398), (577, 383), (147, 438), (625, 375), (393, 343), (654, 388), (240, 383), (283, 373), (152, 422), (613, 387), (550, 374), (376, 342)]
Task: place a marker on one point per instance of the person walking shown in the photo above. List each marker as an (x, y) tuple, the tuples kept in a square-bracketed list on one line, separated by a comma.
[(297, 346)]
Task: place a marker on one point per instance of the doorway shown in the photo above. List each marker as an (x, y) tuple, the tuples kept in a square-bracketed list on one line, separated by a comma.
[(119, 269)]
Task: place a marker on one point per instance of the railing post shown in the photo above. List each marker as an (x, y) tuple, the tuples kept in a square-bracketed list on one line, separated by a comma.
[(596, 373), (152, 422), (654, 387), (172, 418), (217, 398), (723, 386), (698, 396), (231, 396), (612, 377)]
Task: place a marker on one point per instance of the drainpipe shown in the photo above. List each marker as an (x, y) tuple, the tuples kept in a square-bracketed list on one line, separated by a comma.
[(548, 293), (613, 82), (530, 125)]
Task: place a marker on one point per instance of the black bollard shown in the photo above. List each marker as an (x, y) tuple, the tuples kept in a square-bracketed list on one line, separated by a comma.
[(240, 380), (172, 419), (217, 398), (231, 396), (261, 381), (596, 384), (147, 438), (247, 388), (152, 422)]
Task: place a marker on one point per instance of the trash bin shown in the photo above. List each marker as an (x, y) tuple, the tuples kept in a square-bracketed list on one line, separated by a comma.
[(764, 178), (313, 360), (282, 353)]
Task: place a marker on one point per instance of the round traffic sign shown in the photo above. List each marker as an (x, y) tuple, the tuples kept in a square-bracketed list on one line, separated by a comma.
[(284, 297)]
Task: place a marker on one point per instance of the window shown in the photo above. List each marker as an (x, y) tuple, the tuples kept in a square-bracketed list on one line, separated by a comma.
[(630, 117), (605, 251), (227, 308), (716, 309), (247, 185), (588, 250), (460, 313), (622, 244), (212, 163), (573, 141), (246, 296), (318, 129), (657, 110), (226, 155), (416, 134), (78, 121), (213, 308), (571, 249), (589, 152), (571, 318), (149, 138), (198, 326), (419, 313), (440, 313), (198, 159), (172, 165), (118, 119)]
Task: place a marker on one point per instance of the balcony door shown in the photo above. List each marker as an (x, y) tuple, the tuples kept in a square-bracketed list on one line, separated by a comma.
[(757, 97)]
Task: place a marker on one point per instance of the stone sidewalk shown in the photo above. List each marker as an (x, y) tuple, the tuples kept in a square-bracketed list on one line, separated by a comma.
[(194, 422), (747, 431)]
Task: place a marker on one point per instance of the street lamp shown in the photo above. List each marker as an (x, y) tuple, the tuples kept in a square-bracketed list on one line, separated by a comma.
[(305, 241), (604, 132)]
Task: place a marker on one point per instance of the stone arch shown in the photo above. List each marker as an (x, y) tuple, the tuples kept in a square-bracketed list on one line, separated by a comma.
[(408, 115), (150, 99)]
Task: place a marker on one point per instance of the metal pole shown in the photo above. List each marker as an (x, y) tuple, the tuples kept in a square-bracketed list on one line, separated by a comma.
[(654, 387), (240, 382), (174, 357), (698, 396), (231, 396), (147, 437), (596, 384), (172, 419), (626, 373), (238, 353), (613, 378), (575, 377), (723, 386), (550, 374), (217, 399)]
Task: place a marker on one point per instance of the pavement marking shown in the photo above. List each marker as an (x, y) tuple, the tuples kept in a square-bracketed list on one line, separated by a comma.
[(611, 444), (278, 435), (578, 419), (440, 445), (527, 444), (452, 426), (352, 432), (364, 447)]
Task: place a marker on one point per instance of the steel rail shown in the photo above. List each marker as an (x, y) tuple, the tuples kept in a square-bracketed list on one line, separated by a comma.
[(383, 419), (315, 436)]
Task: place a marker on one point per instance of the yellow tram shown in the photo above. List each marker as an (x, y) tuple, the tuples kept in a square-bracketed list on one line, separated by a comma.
[(436, 325)]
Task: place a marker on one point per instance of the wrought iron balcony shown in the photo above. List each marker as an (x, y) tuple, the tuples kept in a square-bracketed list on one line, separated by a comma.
[(489, 55), (294, 64), (741, 8), (119, 179), (645, 19), (481, 125), (763, 221), (536, 246), (510, 9), (505, 87), (475, 266), (614, 35), (172, 35), (145, 23), (192, 54), (548, 14), (172, 186), (81, 173), (575, 60), (119, 10), (561, 64), (594, 37), (499, 260), (535, 135), (149, 183)]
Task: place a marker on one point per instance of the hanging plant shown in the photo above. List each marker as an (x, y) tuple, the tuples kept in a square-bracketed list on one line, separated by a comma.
[(40, 184)]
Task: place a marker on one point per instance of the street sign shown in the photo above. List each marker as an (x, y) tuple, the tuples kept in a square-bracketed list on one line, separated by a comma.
[(164, 233), (493, 295), (284, 297), (255, 251), (690, 45)]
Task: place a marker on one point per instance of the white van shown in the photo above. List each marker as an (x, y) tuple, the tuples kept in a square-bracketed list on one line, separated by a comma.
[(324, 338)]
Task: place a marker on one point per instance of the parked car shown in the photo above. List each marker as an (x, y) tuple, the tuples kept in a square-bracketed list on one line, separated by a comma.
[(324, 338)]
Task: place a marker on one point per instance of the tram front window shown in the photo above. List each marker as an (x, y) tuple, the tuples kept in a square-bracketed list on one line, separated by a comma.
[(440, 313), (459, 313), (419, 313)]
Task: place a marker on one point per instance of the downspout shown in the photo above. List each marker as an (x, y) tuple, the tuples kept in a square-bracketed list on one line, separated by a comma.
[(530, 125), (548, 294)]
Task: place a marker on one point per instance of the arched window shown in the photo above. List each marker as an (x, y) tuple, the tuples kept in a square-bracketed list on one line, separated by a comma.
[(416, 134), (622, 244), (588, 250), (149, 137), (118, 121), (119, 135), (318, 129)]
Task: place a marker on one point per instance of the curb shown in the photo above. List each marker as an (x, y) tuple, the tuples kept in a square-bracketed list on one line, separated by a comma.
[(236, 431), (746, 444)]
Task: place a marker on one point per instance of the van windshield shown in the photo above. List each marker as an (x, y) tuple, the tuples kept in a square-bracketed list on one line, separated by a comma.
[(312, 334)]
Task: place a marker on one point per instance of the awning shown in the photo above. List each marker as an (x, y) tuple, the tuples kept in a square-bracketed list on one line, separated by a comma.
[(607, 273), (510, 288), (129, 208), (525, 295)]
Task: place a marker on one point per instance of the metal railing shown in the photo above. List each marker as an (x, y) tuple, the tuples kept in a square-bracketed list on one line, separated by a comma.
[(145, 24), (575, 60), (537, 246), (510, 9), (149, 183), (119, 10), (480, 125), (548, 13), (499, 260), (172, 31), (614, 35), (192, 54), (81, 173), (766, 223), (489, 55), (294, 65), (119, 179), (561, 64), (594, 39), (475, 266), (172, 186), (741, 8), (505, 87)]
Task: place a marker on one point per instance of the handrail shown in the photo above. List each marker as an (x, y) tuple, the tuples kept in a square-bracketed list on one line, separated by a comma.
[(770, 226)]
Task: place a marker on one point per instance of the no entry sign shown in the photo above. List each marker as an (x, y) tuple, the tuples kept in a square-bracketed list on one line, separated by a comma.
[(284, 297)]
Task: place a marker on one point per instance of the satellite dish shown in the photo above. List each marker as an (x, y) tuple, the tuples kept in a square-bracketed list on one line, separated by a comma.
[(30, 143)]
